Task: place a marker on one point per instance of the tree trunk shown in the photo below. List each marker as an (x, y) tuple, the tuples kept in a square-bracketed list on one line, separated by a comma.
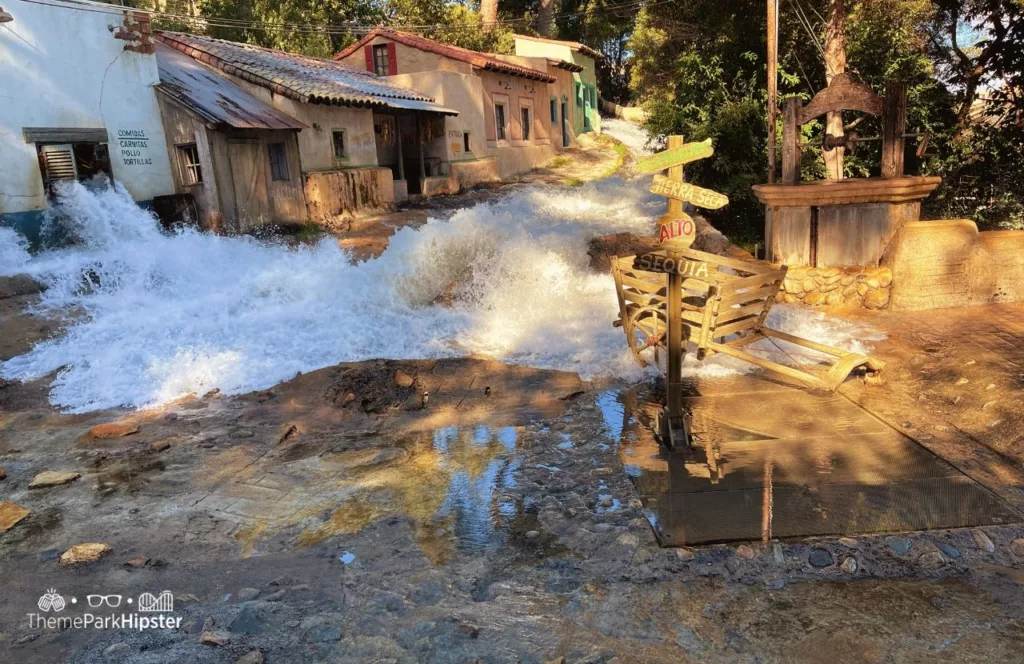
[(835, 64), (544, 16), (488, 13)]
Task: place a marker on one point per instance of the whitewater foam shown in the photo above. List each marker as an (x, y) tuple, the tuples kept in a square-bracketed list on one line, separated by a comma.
[(170, 314)]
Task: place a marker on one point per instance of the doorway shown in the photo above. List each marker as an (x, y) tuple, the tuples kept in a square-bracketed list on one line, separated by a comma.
[(565, 124), (249, 178)]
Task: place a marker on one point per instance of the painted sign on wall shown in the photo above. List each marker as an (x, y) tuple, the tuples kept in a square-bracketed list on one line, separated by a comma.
[(133, 146), (659, 262)]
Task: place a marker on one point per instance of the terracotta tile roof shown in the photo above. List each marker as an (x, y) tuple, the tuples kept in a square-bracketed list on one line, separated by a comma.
[(302, 78), (576, 46), (212, 97), (475, 58), (567, 66)]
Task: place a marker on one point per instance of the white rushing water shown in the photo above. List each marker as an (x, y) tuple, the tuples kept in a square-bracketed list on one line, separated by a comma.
[(172, 314)]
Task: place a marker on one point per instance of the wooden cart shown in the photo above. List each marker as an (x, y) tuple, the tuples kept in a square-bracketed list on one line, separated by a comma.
[(725, 305)]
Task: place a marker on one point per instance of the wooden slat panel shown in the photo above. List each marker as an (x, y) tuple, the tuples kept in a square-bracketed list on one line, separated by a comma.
[(756, 281), (731, 314), (750, 296), (751, 266), (733, 328), (790, 241), (64, 135), (852, 234)]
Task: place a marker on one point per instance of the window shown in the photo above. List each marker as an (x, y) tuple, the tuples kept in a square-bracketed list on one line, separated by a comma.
[(499, 119), (188, 159), (338, 139), (554, 110), (278, 161), (465, 141), (525, 113), (579, 94), (380, 60)]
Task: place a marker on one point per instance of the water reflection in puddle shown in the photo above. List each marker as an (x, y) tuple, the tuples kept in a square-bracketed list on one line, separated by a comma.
[(451, 483), (775, 462)]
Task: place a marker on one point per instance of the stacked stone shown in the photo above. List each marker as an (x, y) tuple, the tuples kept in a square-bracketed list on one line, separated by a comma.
[(837, 286)]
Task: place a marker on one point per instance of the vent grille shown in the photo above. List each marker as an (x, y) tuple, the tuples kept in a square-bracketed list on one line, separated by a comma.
[(58, 162)]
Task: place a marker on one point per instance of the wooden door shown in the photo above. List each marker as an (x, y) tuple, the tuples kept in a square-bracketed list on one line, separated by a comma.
[(249, 175)]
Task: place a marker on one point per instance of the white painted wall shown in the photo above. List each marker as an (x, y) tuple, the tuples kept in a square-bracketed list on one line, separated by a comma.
[(61, 67)]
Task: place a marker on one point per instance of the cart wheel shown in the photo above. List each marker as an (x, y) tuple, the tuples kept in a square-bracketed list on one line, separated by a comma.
[(637, 338)]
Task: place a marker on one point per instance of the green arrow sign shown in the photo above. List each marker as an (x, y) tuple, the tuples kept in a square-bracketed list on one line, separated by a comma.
[(675, 157)]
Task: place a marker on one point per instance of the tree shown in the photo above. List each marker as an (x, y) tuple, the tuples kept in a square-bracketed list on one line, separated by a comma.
[(835, 64)]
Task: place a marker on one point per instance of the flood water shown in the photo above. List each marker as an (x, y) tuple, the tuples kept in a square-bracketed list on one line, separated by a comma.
[(771, 461)]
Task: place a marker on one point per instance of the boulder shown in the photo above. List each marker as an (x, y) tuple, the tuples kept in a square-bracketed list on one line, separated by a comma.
[(10, 514), (49, 478), (84, 553)]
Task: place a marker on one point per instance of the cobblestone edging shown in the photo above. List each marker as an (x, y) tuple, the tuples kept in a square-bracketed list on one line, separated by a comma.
[(867, 287)]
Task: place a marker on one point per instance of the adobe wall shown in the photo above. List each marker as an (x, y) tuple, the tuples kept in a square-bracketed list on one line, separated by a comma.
[(333, 198), (410, 60), (948, 263)]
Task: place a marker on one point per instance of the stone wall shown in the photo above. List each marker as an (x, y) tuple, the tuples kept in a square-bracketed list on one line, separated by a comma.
[(837, 286)]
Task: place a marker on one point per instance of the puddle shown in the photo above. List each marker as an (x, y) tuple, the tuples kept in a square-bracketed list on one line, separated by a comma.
[(449, 482), (776, 462)]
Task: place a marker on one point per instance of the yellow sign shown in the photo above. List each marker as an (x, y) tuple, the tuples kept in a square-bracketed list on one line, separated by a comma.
[(683, 154), (685, 191), (676, 232)]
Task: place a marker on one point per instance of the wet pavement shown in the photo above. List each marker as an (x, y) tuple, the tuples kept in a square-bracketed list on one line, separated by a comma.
[(773, 461)]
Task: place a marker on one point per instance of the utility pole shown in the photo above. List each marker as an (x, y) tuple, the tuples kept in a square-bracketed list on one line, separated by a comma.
[(773, 93)]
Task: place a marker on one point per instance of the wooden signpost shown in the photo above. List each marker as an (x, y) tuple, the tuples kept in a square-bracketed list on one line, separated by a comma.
[(676, 232)]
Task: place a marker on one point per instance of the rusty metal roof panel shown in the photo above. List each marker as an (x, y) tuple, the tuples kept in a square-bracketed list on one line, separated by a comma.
[(303, 78), (214, 98)]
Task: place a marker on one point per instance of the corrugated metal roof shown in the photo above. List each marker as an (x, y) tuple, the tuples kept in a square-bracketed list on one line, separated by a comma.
[(300, 77), (213, 97), (475, 58)]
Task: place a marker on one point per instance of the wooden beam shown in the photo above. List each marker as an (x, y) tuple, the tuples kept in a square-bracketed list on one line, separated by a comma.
[(401, 157), (419, 145), (773, 101), (894, 125), (790, 141)]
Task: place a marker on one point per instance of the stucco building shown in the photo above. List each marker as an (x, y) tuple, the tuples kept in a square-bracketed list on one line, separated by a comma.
[(507, 122), (347, 116), (585, 95), (77, 85)]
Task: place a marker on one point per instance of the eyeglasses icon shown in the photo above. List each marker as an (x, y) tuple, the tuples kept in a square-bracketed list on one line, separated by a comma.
[(96, 601)]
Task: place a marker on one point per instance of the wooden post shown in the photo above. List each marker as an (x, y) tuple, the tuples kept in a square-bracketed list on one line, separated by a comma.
[(419, 145), (894, 125), (773, 102), (676, 350), (401, 157), (790, 142)]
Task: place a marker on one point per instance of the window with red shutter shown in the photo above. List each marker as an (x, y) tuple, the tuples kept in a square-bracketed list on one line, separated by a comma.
[(368, 53), (392, 59)]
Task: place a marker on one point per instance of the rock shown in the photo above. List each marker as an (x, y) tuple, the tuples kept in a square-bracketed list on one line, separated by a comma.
[(848, 280), (820, 558), (849, 291), (117, 650), (862, 288), (628, 539), (532, 534), (1017, 547), (745, 551), (247, 594), (814, 299), (792, 286), (848, 541), (962, 381), (276, 596), (983, 541), (684, 554), (207, 625), (948, 549), (876, 299), (831, 272), (89, 552), (931, 560), (49, 478), (884, 276), (403, 379), (636, 504), (141, 561), (3, 473), (834, 299), (111, 430), (790, 299), (160, 446), (239, 434), (347, 399), (828, 288), (733, 565), (809, 285), (604, 247), (899, 545), (873, 282), (254, 657), (214, 639), (606, 502), (323, 633), (247, 621), (777, 554), (849, 565), (10, 514)]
